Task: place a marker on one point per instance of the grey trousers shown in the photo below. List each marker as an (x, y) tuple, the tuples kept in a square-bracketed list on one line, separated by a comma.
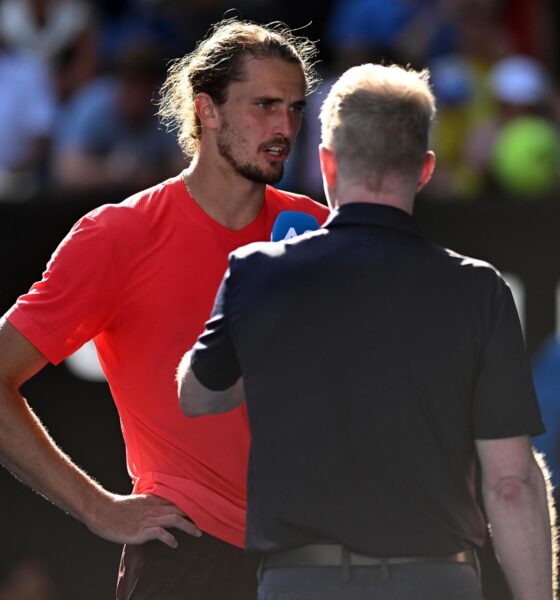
[(423, 581)]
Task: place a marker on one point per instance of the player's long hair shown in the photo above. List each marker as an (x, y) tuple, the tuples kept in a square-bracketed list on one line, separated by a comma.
[(216, 62)]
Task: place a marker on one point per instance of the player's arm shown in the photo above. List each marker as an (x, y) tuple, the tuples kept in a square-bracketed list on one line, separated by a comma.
[(517, 504), (27, 450), (197, 400)]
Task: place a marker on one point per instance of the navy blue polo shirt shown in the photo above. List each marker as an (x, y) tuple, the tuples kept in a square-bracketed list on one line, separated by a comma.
[(372, 359)]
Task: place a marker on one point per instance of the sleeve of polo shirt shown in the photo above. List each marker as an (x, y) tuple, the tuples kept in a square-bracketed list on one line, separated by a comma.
[(213, 358), (505, 403), (76, 298)]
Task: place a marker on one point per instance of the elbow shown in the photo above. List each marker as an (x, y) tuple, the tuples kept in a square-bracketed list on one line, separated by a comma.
[(515, 492), (185, 403), (512, 491), (189, 410)]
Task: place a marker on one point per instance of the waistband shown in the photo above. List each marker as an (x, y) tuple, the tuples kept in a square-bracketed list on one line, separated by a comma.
[(336, 555)]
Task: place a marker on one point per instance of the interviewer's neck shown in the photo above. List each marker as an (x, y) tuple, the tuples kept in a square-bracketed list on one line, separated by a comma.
[(388, 196), (392, 189)]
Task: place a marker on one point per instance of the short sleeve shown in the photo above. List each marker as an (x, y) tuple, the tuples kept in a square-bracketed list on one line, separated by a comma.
[(76, 298), (213, 359), (505, 402)]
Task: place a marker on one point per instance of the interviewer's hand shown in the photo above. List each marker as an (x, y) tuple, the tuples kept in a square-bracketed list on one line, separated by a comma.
[(136, 519)]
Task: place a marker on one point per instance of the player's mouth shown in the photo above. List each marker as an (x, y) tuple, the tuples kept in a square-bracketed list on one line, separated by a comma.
[(276, 150)]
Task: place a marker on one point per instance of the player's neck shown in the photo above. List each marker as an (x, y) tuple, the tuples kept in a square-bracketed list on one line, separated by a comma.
[(224, 195)]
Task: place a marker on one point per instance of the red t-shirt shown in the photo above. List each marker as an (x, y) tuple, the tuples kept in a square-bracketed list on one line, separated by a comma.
[(140, 278)]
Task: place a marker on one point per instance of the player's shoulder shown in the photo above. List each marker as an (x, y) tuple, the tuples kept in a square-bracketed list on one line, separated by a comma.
[(291, 201), (135, 212)]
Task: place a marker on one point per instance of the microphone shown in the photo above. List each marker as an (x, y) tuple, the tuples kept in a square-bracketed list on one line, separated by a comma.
[(291, 223)]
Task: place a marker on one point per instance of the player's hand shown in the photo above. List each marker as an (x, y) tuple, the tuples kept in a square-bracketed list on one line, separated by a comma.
[(136, 519)]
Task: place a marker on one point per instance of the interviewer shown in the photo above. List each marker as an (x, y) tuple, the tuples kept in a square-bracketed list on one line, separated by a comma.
[(377, 366)]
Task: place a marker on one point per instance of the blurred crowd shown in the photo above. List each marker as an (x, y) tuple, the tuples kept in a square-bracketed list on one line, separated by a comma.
[(26, 577), (79, 83)]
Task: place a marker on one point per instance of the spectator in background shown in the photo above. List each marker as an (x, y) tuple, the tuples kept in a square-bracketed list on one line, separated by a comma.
[(402, 30), (359, 31), (108, 136), (61, 32), (123, 21), (460, 40), (27, 111), (455, 87), (516, 149), (464, 99), (531, 27), (526, 158), (26, 578)]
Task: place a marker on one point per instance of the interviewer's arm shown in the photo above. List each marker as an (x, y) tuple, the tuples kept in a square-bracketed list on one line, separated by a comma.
[(197, 400), (27, 450), (515, 497)]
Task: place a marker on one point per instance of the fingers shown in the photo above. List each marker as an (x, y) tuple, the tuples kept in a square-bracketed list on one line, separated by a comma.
[(161, 534), (138, 518), (158, 502), (190, 528), (181, 523), (169, 516)]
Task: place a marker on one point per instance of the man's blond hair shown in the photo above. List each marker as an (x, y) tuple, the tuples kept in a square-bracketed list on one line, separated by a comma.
[(376, 119), (217, 61)]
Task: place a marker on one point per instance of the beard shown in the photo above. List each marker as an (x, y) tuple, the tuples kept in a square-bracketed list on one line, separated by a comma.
[(249, 171)]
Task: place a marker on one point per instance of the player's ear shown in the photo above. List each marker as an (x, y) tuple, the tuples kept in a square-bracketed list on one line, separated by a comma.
[(207, 111)]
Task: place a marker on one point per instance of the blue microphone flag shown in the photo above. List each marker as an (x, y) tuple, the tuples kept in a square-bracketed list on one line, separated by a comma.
[(291, 223)]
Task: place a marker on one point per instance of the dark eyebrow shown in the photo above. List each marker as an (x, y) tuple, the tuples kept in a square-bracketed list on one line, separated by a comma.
[(275, 100), (300, 103), (266, 99)]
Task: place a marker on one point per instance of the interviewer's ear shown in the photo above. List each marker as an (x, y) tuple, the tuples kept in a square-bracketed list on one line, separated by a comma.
[(427, 170), (328, 169), (328, 165)]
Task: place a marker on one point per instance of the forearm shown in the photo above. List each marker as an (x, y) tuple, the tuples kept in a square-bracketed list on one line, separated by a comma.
[(518, 511), (197, 400), (31, 455)]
